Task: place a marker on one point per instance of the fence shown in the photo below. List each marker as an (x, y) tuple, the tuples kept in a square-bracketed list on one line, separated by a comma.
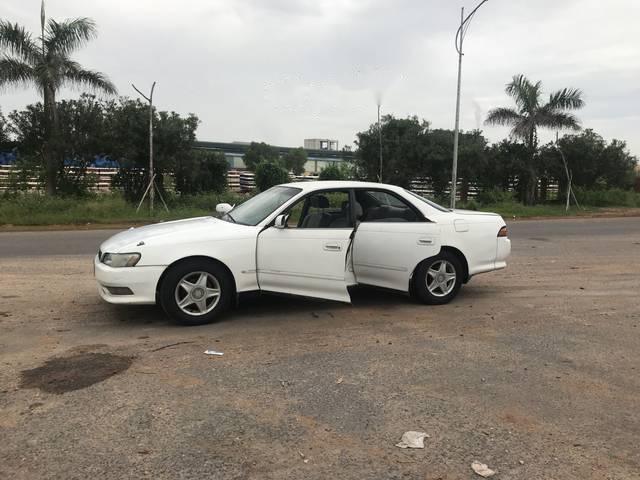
[(103, 177), (470, 190), (243, 181)]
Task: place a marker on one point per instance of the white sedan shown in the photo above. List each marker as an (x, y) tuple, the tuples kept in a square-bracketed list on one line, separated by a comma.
[(313, 239)]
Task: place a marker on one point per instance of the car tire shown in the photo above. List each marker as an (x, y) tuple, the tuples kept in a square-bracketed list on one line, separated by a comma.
[(195, 292), (437, 280)]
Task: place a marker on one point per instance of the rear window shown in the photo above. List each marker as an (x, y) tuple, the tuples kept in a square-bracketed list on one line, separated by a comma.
[(429, 202)]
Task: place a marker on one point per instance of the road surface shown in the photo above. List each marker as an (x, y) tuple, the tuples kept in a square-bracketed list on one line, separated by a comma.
[(532, 370), (86, 242)]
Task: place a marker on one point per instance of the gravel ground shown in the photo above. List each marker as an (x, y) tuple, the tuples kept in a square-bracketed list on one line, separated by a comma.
[(532, 370)]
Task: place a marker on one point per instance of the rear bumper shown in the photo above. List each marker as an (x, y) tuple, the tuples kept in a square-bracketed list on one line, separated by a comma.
[(141, 281), (503, 250)]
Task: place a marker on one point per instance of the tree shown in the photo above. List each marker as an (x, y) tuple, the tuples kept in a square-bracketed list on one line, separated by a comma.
[(403, 143), (127, 127), (269, 174), (593, 162), (81, 136), (295, 160), (331, 172), (504, 165), (4, 132), (472, 160), (259, 152), (531, 114), (201, 171), (46, 63)]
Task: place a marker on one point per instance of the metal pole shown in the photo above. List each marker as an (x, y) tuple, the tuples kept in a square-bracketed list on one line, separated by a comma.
[(459, 36), (380, 143), (151, 172), (454, 168)]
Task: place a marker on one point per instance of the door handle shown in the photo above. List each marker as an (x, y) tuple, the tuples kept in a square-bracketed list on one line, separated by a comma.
[(425, 241), (332, 247)]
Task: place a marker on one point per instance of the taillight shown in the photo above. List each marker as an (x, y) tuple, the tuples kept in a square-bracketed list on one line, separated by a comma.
[(502, 232)]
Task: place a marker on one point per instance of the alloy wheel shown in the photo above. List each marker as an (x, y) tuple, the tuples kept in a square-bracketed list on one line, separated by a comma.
[(197, 293)]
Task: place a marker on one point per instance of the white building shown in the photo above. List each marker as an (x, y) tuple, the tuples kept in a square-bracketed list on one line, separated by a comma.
[(320, 144)]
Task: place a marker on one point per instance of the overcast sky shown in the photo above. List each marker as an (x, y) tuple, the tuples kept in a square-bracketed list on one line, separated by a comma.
[(280, 71)]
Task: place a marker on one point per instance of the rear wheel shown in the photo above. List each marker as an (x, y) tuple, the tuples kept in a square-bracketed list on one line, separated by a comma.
[(195, 292), (438, 279)]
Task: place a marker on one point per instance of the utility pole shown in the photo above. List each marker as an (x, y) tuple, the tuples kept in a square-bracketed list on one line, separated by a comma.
[(462, 30), (380, 143), (151, 187)]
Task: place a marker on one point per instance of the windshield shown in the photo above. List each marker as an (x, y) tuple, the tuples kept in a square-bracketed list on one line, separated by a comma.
[(429, 202), (256, 209)]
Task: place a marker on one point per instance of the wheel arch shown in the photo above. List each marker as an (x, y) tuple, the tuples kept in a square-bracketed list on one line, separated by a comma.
[(444, 248), (461, 257), (203, 258)]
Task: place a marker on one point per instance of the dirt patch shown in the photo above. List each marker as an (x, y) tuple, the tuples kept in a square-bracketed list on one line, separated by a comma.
[(65, 374)]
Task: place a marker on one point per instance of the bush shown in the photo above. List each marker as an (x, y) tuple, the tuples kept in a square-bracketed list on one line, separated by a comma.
[(201, 171), (28, 171), (468, 205), (331, 172), (131, 181), (204, 201), (614, 197), (75, 182), (494, 196), (269, 174)]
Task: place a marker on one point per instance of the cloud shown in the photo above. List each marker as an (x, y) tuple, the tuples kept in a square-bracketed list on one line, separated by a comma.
[(283, 70)]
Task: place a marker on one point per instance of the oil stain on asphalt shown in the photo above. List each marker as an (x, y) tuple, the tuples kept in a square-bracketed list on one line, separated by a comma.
[(65, 374)]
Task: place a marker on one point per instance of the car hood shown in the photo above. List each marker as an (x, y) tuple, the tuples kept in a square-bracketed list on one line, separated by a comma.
[(174, 232)]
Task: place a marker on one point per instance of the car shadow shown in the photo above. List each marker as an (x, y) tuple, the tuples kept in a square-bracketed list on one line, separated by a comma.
[(257, 305), (361, 296), (139, 315)]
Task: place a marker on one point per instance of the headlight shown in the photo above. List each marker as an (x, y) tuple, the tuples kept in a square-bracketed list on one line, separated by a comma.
[(120, 259)]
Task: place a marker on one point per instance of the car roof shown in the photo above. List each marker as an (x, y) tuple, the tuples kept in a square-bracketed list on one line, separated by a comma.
[(311, 186)]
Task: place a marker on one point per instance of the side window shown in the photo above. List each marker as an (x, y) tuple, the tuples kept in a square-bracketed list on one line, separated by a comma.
[(321, 210), (382, 206)]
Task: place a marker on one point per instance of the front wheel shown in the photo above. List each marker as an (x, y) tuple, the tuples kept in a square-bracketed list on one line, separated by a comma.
[(196, 292), (438, 279)]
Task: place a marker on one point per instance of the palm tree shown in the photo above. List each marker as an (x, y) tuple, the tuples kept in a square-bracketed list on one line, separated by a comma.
[(45, 62), (530, 114)]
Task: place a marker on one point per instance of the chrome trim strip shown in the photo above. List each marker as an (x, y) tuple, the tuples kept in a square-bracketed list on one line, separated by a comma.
[(302, 275), (381, 267)]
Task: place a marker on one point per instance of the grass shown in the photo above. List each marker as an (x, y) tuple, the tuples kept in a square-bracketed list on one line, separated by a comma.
[(39, 210), (517, 210), (31, 209)]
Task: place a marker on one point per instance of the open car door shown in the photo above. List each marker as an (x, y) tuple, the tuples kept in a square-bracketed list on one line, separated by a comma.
[(391, 239), (309, 256)]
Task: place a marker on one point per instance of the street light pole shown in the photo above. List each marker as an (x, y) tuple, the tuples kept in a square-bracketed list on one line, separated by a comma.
[(380, 143), (464, 23)]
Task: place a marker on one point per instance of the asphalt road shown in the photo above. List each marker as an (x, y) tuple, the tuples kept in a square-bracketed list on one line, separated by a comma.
[(86, 242), (532, 370)]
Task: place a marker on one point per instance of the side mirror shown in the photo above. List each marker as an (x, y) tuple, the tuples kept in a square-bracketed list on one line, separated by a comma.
[(224, 208), (281, 221)]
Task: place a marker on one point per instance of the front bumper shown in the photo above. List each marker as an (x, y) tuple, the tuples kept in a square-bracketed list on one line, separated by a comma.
[(141, 280)]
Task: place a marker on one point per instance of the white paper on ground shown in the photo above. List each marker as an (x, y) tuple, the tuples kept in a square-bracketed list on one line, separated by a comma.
[(412, 440)]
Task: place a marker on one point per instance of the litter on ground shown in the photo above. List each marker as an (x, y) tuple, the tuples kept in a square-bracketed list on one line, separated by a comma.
[(213, 352), (482, 469), (412, 440)]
